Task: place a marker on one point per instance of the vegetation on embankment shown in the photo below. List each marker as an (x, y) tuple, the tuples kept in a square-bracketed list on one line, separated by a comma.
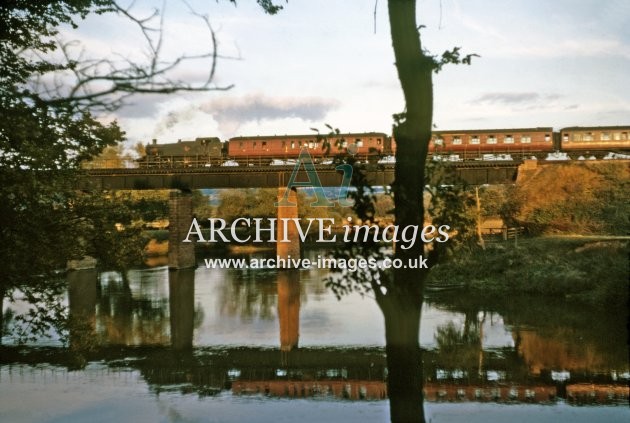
[(577, 270), (576, 197)]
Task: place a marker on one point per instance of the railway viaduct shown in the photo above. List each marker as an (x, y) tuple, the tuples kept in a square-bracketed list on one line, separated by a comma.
[(182, 180)]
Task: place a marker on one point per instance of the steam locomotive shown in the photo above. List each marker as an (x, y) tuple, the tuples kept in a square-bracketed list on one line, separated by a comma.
[(600, 142)]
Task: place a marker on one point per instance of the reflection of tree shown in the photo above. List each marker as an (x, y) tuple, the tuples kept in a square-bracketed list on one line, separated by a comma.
[(551, 334), (249, 295), (128, 320), (458, 348), (562, 348)]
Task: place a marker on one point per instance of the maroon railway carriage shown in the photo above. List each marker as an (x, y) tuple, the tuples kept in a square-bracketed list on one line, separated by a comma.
[(289, 146), (595, 140), (471, 144), (474, 144)]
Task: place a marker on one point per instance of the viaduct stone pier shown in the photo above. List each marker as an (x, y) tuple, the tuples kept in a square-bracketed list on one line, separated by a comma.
[(292, 248), (181, 255)]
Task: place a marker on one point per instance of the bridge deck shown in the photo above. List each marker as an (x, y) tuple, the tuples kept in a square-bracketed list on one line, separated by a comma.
[(275, 176)]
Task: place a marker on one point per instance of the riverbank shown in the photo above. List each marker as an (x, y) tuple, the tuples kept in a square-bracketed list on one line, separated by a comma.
[(585, 270)]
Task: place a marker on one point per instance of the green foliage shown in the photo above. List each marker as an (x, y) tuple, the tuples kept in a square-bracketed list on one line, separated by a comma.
[(446, 204), (573, 269), (46, 313), (249, 203), (44, 220), (493, 200), (453, 57), (113, 231), (268, 6)]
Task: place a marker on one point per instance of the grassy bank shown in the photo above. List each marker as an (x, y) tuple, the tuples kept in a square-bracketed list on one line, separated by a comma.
[(579, 270)]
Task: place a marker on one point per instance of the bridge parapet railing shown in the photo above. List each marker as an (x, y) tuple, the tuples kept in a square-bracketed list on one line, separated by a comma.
[(199, 162), (110, 164), (170, 162)]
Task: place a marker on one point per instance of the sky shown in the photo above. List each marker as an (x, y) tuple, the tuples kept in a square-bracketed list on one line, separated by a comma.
[(542, 63)]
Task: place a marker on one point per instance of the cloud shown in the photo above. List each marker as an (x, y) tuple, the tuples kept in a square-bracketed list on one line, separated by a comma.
[(141, 106), (259, 107), (522, 101), (514, 98), (232, 112)]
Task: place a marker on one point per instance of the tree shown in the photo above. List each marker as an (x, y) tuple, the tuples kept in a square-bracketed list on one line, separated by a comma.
[(401, 300), (399, 292), (51, 96)]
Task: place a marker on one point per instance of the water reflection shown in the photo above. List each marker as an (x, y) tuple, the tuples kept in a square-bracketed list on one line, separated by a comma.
[(282, 334), (82, 297), (133, 309), (181, 288), (289, 308), (353, 374)]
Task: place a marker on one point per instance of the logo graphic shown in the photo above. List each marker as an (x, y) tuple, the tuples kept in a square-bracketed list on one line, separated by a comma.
[(305, 159)]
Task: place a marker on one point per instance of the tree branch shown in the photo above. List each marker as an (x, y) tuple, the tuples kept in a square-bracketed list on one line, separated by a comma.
[(105, 84)]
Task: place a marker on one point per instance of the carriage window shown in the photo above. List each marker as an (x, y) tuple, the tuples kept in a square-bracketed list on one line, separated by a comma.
[(624, 136), (605, 136), (565, 137), (264, 144), (616, 136), (457, 140), (344, 143), (588, 136), (526, 139), (509, 139), (254, 144), (547, 137), (492, 139), (292, 144), (474, 140), (378, 141), (439, 141), (311, 144), (359, 143)]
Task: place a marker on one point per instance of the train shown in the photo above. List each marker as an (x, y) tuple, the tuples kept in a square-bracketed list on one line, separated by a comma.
[(571, 143)]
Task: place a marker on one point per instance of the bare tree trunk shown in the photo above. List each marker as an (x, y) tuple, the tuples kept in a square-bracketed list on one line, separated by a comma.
[(402, 305)]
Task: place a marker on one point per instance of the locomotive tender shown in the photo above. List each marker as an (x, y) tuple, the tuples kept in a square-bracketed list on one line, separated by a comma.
[(455, 145)]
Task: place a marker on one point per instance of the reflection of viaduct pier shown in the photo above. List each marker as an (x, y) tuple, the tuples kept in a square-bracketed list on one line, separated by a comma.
[(182, 180), (289, 371), (125, 320)]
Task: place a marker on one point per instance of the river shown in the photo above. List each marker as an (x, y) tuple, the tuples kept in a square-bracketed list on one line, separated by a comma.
[(228, 345)]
